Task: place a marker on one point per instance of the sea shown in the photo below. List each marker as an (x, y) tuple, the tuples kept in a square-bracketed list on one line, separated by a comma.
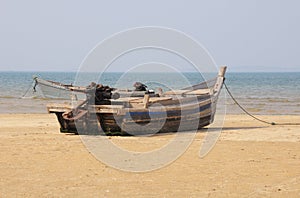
[(259, 93)]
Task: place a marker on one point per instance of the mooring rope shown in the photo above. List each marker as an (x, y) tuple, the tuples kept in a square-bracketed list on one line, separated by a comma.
[(251, 115), (29, 89)]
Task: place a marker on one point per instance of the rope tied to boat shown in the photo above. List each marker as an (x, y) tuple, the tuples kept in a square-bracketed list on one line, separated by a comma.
[(251, 115), (33, 86)]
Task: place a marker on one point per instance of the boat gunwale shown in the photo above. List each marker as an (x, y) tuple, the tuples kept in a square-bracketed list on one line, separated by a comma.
[(94, 108)]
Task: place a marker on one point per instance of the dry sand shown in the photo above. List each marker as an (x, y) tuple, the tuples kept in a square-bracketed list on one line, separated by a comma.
[(250, 159)]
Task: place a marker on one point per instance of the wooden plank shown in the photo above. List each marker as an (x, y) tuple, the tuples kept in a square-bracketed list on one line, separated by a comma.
[(54, 110), (151, 99), (57, 107), (189, 92), (199, 92), (139, 103), (115, 109), (107, 106), (62, 107), (159, 99), (126, 99), (176, 92)]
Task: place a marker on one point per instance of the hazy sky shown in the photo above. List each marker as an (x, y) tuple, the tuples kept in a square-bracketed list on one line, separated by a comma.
[(55, 35)]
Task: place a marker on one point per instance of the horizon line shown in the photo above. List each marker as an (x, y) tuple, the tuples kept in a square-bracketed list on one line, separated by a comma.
[(228, 71)]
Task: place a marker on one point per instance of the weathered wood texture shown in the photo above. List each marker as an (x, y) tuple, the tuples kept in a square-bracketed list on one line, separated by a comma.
[(180, 110)]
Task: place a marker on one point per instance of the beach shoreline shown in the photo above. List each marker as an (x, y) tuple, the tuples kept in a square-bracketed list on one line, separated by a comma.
[(249, 159)]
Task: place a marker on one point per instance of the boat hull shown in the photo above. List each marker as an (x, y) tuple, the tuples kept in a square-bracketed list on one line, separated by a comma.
[(149, 122), (115, 125), (186, 117), (182, 110), (56, 90)]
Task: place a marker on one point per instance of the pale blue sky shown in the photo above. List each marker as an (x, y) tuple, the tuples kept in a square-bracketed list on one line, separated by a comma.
[(55, 35)]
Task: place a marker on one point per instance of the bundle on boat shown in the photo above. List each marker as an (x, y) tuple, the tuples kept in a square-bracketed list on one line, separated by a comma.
[(141, 111)]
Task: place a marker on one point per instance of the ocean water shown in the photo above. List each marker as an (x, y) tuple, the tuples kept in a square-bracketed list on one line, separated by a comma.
[(259, 93)]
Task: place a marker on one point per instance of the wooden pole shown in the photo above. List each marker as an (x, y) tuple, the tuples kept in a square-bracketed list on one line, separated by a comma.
[(222, 71), (146, 100), (220, 79)]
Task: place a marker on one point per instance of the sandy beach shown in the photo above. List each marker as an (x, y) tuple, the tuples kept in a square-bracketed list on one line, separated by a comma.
[(250, 159)]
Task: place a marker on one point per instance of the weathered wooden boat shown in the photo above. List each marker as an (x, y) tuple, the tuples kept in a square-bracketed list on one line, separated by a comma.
[(110, 113)]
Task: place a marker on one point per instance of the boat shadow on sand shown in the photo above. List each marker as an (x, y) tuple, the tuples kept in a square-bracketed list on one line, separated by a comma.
[(213, 130), (230, 128), (203, 130)]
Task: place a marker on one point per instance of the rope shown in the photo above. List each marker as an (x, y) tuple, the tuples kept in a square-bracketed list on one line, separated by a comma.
[(249, 114), (29, 89)]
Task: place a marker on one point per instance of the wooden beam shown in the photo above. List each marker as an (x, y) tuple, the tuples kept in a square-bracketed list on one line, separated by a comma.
[(146, 100), (222, 71)]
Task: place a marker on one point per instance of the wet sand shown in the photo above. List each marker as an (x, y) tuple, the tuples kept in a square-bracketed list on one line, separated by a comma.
[(250, 159)]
